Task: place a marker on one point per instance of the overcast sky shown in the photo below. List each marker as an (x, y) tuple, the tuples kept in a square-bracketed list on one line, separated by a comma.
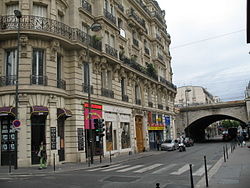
[(208, 45)]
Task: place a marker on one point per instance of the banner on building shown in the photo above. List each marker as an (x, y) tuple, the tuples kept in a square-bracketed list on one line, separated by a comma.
[(96, 113)]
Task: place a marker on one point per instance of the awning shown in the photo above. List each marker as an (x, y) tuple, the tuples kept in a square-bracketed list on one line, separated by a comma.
[(39, 111), (8, 111), (62, 112)]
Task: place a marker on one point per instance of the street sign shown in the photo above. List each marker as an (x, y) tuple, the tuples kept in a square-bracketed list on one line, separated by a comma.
[(16, 123)]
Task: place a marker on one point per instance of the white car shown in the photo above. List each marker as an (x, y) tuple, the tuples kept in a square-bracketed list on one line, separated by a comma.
[(169, 145)]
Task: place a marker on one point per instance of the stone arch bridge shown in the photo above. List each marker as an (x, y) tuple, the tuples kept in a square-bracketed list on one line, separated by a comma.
[(193, 120)]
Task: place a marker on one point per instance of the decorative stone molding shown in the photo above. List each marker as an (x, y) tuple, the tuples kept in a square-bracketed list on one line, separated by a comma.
[(54, 46), (23, 42)]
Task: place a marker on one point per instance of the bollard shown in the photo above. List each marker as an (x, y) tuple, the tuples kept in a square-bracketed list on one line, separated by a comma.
[(224, 154), (191, 176), (54, 162), (157, 185), (226, 151), (9, 161), (205, 164)]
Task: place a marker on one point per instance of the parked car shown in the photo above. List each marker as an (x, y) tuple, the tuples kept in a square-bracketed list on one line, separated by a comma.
[(188, 142), (169, 145)]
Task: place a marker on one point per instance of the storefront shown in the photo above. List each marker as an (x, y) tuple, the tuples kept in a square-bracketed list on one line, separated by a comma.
[(155, 129), (8, 135), (118, 134)]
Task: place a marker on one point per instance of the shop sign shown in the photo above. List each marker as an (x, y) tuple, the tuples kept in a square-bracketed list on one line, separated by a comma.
[(150, 128), (96, 113)]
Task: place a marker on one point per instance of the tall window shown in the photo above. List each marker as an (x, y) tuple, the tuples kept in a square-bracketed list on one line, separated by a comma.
[(39, 10), (10, 9), (125, 135), (106, 77), (10, 64), (59, 67), (106, 4), (37, 66), (123, 86), (85, 73)]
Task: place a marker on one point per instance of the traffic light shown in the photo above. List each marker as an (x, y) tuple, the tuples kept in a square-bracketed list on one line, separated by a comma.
[(96, 123), (101, 127)]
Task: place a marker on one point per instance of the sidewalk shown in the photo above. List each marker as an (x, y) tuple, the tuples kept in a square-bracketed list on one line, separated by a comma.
[(22, 171), (235, 172)]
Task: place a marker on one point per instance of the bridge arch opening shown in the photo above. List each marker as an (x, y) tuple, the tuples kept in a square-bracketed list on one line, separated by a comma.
[(196, 129)]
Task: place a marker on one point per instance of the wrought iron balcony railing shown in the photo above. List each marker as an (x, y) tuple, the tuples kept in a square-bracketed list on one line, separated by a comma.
[(109, 16), (120, 6), (8, 80), (167, 83), (144, 7), (107, 93), (135, 42), (61, 84), (125, 98), (85, 88), (86, 6), (42, 24), (146, 50), (158, 16), (111, 51), (138, 101), (160, 106), (150, 104), (160, 56), (137, 18), (158, 37), (38, 80)]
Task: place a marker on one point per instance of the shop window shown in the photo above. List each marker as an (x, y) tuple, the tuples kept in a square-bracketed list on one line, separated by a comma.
[(125, 136)]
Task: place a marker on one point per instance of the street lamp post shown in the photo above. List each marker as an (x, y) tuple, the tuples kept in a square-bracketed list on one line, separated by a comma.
[(186, 92), (94, 27), (18, 15)]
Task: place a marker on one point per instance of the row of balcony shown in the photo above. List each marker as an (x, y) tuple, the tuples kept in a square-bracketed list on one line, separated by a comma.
[(43, 80), (109, 16), (86, 6), (30, 22), (137, 18), (43, 24), (34, 80)]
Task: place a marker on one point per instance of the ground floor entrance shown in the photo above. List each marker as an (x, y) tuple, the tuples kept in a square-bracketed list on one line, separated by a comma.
[(8, 145), (153, 137), (37, 136), (139, 133)]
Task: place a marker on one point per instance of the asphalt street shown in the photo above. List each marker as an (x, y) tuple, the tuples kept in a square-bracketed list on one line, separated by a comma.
[(170, 169)]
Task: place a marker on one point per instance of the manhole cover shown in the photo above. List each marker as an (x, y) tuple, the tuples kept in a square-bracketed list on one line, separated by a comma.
[(121, 179)]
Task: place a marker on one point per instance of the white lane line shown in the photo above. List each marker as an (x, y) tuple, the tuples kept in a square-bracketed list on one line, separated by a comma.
[(201, 170), (115, 168), (148, 168), (164, 169), (181, 170), (102, 168), (130, 168)]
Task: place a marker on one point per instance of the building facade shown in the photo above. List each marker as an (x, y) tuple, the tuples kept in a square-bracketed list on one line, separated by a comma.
[(196, 95), (130, 77)]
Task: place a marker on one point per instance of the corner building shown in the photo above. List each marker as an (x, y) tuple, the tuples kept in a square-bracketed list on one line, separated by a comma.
[(130, 77)]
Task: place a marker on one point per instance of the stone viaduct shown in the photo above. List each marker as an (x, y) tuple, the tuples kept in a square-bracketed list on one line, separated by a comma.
[(193, 120)]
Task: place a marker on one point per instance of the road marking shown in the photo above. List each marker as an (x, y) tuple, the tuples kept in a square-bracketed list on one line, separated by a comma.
[(130, 168), (148, 168), (201, 170), (102, 168), (115, 168), (164, 169), (181, 170)]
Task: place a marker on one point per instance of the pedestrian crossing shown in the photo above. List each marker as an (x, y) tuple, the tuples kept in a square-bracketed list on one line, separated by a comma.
[(157, 169)]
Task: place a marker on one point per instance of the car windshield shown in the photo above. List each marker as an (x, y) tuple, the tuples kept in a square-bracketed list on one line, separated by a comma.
[(168, 141)]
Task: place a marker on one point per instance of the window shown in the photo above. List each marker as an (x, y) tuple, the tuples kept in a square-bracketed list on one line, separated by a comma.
[(137, 95), (60, 16), (106, 5), (59, 67), (123, 86), (120, 26), (112, 41), (10, 9), (125, 135), (10, 64), (85, 73), (84, 27), (39, 10), (106, 77), (37, 66)]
